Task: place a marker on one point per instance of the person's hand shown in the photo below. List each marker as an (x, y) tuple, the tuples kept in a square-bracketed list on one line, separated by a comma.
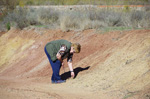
[(72, 74)]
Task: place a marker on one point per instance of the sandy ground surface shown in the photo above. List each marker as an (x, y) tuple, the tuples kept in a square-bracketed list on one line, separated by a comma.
[(113, 65)]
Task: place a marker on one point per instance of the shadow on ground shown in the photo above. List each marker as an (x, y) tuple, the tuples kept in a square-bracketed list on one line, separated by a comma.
[(67, 75)]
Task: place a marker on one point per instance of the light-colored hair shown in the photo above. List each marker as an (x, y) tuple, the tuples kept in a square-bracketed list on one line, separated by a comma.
[(77, 47)]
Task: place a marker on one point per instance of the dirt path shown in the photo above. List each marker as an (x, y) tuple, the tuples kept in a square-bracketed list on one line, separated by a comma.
[(22, 89)]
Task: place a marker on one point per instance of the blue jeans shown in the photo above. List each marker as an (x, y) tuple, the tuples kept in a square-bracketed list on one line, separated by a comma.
[(56, 65)]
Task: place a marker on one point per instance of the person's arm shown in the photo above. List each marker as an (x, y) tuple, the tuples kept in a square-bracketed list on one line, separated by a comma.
[(71, 69), (60, 53), (69, 60)]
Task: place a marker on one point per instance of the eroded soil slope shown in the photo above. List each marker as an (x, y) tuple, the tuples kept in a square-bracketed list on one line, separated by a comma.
[(114, 65)]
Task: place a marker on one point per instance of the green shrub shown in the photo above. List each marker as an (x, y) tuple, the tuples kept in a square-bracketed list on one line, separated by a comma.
[(21, 4), (126, 8), (8, 26), (30, 2), (71, 2)]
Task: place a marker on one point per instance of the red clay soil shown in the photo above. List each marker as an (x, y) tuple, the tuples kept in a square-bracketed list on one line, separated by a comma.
[(114, 65), (121, 6)]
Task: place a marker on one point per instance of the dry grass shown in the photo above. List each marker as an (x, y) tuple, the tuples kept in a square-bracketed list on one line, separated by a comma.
[(83, 2), (78, 19)]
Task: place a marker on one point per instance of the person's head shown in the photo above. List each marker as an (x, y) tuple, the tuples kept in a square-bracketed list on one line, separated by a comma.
[(75, 47)]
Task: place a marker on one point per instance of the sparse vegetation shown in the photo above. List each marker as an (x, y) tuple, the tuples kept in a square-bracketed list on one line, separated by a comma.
[(8, 26), (84, 2), (79, 19)]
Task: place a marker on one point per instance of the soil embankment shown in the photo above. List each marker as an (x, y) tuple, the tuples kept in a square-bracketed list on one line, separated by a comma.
[(114, 65)]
